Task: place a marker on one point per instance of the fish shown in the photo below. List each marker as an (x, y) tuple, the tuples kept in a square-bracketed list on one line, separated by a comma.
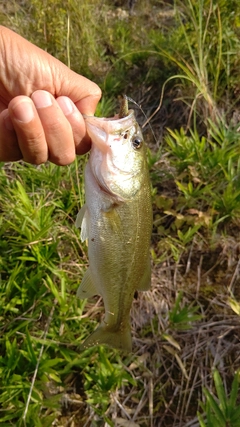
[(116, 219)]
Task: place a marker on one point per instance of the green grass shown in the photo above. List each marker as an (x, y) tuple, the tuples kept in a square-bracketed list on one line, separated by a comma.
[(36, 288), (180, 63), (221, 410)]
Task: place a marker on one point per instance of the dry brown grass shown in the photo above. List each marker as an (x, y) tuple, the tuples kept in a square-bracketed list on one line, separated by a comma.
[(171, 366)]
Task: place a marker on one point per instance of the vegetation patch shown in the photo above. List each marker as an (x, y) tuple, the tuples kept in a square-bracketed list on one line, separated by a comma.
[(179, 61)]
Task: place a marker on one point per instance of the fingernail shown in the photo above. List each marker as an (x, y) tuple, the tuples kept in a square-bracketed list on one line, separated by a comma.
[(66, 105), (23, 111), (41, 99)]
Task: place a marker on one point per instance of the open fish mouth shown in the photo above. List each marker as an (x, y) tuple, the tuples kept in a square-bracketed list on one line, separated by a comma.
[(122, 117)]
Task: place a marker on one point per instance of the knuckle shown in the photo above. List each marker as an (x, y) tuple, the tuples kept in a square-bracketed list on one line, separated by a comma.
[(34, 148), (57, 127), (35, 139), (63, 159), (35, 157), (63, 156), (98, 93)]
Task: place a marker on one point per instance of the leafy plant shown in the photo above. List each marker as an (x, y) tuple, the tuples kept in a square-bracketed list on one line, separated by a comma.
[(208, 169), (221, 410), (186, 54), (103, 380), (182, 318)]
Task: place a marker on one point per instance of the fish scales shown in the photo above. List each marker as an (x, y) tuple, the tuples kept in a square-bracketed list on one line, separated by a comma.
[(117, 221)]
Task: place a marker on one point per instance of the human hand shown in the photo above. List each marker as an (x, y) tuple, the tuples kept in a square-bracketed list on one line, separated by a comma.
[(41, 104)]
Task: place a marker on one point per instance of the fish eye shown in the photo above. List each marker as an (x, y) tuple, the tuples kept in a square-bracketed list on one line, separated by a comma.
[(136, 143)]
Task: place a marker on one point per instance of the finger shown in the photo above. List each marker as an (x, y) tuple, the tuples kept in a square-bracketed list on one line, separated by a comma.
[(47, 73), (83, 92), (57, 129), (29, 130), (88, 104), (81, 139), (9, 148)]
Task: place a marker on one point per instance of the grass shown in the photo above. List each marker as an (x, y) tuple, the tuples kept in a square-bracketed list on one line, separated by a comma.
[(222, 410), (185, 367)]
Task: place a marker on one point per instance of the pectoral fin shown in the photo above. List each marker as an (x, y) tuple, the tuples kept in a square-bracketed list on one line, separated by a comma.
[(113, 220), (83, 222), (87, 288), (145, 282)]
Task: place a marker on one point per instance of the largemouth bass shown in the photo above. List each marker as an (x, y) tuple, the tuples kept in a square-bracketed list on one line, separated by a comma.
[(117, 221)]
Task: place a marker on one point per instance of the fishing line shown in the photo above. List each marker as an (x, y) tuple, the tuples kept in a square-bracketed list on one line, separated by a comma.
[(144, 114)]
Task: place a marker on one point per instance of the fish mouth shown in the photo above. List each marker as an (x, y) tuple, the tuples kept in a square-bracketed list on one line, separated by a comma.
[(113, 124), (106, 119)]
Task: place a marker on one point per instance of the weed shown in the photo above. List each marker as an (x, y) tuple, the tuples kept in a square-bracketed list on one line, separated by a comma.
[(221, 410), (182, 318), (188, 56)]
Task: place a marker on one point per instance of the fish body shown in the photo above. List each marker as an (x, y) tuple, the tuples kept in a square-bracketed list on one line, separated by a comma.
[(117, 221)]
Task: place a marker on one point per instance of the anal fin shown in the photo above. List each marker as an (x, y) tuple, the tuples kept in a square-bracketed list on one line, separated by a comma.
[(87, 288)]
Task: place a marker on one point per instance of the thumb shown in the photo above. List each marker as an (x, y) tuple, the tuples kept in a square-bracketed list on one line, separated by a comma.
[(83, 92)]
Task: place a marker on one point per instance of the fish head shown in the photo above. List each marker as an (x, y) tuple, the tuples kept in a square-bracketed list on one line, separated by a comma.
[(118, 154)]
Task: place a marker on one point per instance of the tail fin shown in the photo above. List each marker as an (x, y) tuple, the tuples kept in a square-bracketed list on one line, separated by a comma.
[(120, 340)]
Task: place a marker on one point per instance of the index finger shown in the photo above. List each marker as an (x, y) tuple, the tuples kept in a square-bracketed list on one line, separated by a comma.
[(83, 92)]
